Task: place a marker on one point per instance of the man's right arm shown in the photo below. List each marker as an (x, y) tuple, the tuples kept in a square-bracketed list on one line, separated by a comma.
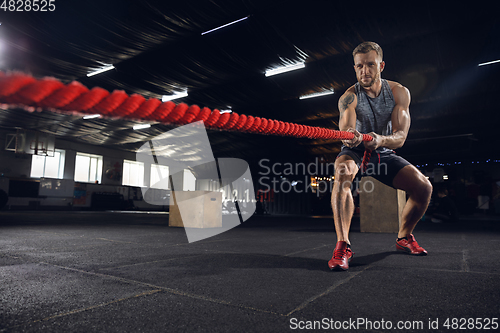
[(347, 118), (347, 109)]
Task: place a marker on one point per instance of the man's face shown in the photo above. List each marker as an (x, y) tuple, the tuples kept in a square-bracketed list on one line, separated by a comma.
[(368, 67)]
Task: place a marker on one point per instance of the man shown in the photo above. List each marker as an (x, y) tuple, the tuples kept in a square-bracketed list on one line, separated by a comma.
[(379, 108)]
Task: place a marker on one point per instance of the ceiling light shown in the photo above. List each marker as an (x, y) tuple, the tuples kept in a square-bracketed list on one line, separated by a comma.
[(225, 111), (223, 26), (101, 70), (141, 126), (91, 116), (285, 69), (176, 95), (323, 93), (489, 63)]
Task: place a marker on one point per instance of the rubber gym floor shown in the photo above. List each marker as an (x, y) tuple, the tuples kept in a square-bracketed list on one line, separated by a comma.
[(130, 272)]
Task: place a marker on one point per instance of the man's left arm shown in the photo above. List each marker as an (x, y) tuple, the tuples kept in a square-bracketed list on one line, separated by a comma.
[(400, 122)]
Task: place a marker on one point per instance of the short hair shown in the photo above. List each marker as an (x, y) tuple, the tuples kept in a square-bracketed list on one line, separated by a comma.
[(366, 47)]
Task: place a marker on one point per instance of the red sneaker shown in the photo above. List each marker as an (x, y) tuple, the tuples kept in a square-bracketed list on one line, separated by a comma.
[(411, 246), (341, 257)]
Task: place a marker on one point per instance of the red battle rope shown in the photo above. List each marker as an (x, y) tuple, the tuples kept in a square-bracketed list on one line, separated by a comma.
[(21, 89)]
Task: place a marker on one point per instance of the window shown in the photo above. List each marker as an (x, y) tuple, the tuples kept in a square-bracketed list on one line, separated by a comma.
[(133, 173), (88, 168), (189, 183), (47, 166), (159, 177)]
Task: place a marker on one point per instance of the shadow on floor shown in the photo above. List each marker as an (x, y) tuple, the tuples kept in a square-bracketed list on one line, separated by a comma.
[(221, 263), (372, 258)]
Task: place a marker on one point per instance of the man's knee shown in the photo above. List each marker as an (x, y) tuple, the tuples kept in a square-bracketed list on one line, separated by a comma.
[(345, 170), (422, 189), (426, 188), (412, 181), (344, 175)]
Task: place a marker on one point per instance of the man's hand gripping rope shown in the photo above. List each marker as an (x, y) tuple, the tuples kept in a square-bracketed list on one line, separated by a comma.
[(356, 138)]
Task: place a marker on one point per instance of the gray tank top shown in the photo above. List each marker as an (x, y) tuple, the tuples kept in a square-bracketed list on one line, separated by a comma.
[(374, 114)]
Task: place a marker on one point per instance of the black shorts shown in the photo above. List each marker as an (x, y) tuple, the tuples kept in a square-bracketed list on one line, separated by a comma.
[(382, 166)]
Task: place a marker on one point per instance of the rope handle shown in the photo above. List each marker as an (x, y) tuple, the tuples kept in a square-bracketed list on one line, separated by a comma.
[(366, 159)]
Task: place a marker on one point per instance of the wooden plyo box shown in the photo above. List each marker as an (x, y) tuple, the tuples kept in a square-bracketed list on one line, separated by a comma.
[(380, 206), (195, 209)]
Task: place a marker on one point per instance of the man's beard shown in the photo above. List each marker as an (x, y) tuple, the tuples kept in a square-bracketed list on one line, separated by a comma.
[(371, 83)]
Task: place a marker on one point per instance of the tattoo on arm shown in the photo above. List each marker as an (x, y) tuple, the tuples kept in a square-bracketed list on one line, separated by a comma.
[(345, 102)]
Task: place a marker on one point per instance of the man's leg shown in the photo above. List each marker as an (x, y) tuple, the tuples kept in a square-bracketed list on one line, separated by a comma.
[(419, 191), (343, 209), (342, 201)]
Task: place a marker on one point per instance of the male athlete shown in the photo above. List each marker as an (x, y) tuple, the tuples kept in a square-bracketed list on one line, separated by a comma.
[(379, 108)]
